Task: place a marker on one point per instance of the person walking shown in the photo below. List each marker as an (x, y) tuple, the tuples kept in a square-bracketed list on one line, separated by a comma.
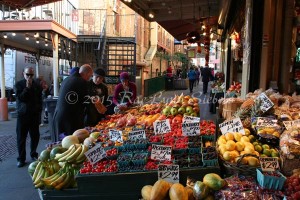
[(206, 77), (192, 77), (98, 92), (71, 104), (29, 107)]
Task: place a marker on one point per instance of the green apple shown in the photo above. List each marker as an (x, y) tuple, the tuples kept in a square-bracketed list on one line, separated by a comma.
[(267, 152), (181, 110), (189, 110), (95, 135), (258, 148), (166, 111), (274, 153), (194, 114), (174, 111)]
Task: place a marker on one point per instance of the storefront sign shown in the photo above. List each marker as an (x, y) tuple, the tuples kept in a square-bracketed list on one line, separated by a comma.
[(162, 126), (169, 173), (161, 152), (95, 154), (234, 125)]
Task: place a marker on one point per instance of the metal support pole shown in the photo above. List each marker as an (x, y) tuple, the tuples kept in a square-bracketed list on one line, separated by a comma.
[(55, 64)]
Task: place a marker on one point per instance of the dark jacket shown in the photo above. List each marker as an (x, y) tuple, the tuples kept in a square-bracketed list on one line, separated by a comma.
[(28, 100), (99, 91), (70, 109), (206, 75)]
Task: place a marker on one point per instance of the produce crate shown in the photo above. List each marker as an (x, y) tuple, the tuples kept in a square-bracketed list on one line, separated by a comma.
[(270, 182)]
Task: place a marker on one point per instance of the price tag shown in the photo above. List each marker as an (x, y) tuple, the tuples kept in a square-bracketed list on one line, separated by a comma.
[(269, 164), (138, 127), (266, 103), (135, 135), (95, 154), (169, 173), (234, 125), (191, 128), (288, 124), (162, 126), (266, 122), (115, 135), (190, 119), (161, 152)]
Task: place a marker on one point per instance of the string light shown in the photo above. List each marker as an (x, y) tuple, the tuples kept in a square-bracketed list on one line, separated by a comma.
[(5, 36), (13, 34), (151, 15)]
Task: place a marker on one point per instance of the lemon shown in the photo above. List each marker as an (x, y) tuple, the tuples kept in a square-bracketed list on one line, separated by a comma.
[(258, 148), (247, 131), (221, 141), (251, 138), (240, 146), (256, 153), (229, 136), (244, 161), (234, 154), (230, 145), (252, 161), (255, 143), (237, 136), (222, 137), (222, 149), (245, 139), (242, 153), (227, 156), (249, 150), (276, 134), (248, 144)]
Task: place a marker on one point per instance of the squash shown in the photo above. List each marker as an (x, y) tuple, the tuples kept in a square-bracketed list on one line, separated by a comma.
[(69, 140), (32, 166), (146, 192), (178, 192), (160, 190), (89, 142), (45, 155), (189, 191), (55, 150), (81, 134), (200, 190), (214, 181)]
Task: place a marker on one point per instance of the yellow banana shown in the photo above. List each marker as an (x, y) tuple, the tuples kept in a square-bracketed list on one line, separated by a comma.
[(36, 171), (82, 155), (50, 179), (59, 180), (40, 175), (63, 159), (64, 182), (60, 155), (76, 153)]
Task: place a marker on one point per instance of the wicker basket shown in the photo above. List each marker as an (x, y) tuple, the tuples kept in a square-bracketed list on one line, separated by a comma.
[(238, 167), (230, 106)]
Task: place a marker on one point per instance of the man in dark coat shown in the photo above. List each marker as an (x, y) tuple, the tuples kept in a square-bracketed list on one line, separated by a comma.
[(29, 107), (72, 101), (206, 77)]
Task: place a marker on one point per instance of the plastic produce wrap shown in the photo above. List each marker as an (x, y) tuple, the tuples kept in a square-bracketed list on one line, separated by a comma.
[(290, 143)]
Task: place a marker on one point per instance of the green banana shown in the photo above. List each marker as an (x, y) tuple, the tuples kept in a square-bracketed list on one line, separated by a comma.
[(76, 153)]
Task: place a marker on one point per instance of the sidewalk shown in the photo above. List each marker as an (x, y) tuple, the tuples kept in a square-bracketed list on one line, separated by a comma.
[(16, 183)]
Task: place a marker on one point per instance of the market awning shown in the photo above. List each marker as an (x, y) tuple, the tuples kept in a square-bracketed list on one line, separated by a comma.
[(20, 4)]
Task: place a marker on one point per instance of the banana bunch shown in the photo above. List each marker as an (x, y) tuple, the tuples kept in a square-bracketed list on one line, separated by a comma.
[(64, 178), (75, 154), (44, 169)]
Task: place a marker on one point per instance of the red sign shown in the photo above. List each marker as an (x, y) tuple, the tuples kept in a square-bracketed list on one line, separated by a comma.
[(75, 15)]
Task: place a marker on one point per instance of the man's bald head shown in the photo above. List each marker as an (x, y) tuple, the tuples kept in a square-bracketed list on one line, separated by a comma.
[(86, 72)]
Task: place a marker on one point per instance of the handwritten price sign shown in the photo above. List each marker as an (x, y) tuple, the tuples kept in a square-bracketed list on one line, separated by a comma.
[(95, 154), (161, 152), (135, 135), (266, 103), (266, 122), (190, 119), (269, 164), (291, 124), (191, 128), (115, 135), (169, 173), (234, 125), (162, 126)]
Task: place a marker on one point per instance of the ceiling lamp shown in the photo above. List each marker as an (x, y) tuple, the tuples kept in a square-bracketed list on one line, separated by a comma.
[(5, 36), (36, 35), (13, 34), (37, 41), (46, 43), (151, 14), (26, 37)]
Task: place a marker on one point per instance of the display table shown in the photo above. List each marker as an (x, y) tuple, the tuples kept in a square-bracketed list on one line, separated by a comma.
[(118, 186), (213, 101), (180, 84)]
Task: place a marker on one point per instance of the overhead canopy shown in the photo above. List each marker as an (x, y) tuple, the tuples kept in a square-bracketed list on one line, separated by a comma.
[(20, 4), (178, 17)]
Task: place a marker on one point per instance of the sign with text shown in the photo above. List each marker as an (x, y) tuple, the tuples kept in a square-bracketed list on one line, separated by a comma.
[(265, 103), (269, 164), (291, 124), (162, 126), (95, 154), (169, 173), (161, 152), (135, 135), (190, 128), (115, 135), (234, 125), (190, 119), (266, 122)]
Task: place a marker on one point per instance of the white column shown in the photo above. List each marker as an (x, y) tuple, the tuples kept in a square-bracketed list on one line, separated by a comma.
[(247, 48), (55, 64), (2, 75), (37, 71)]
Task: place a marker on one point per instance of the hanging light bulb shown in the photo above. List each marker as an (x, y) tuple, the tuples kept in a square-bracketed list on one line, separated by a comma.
[(13, 34), (36, 35), (37, 41), (151, 14), (46, 44), (5, 36)]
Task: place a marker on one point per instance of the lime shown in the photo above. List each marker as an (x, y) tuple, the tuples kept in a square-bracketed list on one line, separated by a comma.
[(258, 148), (267, 152), (265, 146)]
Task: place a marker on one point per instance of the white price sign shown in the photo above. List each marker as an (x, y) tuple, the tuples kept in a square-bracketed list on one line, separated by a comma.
[(291, 124), (135, 135), (190, 128), (190, 119), (161, 152), (266, 103), (95, 154), (162, 126), (266, 122), (169, 173), (115, 135), (234, 125), (269, 164)]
